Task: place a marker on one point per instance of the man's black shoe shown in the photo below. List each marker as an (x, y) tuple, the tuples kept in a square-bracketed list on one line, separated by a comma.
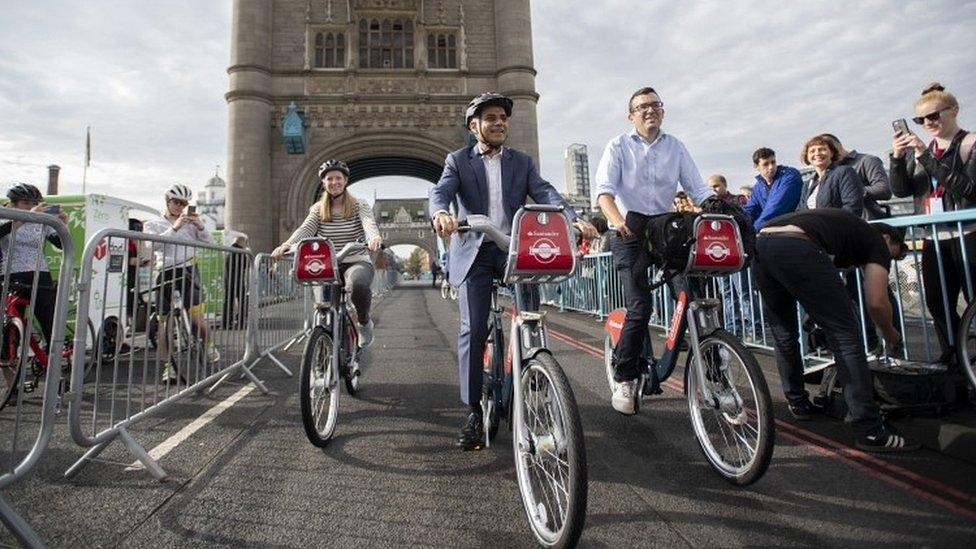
[(887, 441), (472, 435), (803, 411)]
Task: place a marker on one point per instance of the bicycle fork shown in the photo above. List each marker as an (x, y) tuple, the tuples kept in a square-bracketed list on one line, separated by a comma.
[(703, 320), (528, 337)]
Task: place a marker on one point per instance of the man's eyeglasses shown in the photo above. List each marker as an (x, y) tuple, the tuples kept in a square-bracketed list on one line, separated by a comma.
[(643, 107), (179, 202), (931, 117)]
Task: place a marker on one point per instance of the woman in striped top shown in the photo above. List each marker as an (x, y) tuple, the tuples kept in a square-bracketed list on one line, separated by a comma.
[(343, 219)]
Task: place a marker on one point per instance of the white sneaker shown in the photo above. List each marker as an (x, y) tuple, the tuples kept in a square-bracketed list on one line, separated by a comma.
[(213, 355), (623, 397), (366, 334)]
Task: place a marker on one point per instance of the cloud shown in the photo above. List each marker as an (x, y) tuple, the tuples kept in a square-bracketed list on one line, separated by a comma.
[(149, 77), (737, 76)]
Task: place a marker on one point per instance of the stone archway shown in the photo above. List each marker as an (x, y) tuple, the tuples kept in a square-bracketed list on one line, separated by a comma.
[(369, 155)]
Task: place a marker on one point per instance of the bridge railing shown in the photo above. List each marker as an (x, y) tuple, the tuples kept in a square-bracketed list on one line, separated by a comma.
[(595, 289)]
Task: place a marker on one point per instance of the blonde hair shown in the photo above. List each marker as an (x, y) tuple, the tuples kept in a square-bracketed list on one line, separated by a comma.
[(937, 92), (350, 206)]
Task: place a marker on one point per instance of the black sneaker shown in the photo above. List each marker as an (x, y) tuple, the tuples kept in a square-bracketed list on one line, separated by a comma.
[(472, 435), (887, 441), (803, 411)]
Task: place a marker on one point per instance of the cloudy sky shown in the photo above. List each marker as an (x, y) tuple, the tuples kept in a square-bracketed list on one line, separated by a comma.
[(149, 77)]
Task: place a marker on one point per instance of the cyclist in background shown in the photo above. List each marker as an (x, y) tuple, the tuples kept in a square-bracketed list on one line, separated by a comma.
[(176, 264), (25, 255)]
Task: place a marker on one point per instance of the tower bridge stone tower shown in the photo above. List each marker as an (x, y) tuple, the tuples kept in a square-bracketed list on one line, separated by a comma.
[(382, 83)]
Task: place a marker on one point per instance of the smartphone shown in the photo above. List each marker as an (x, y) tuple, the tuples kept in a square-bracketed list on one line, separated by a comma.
[(900, 126), (191, 210), (53, 209)]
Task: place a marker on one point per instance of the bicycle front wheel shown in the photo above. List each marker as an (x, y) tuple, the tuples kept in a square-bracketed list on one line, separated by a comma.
[(733, 415), (10, 363), (550, 458), (319, 388), (967, 343)]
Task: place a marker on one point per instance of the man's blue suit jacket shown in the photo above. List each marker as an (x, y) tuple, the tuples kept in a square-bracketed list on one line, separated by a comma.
[(464, 178)]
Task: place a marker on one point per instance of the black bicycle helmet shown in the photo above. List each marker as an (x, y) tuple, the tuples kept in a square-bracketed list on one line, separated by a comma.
[(487, 99), (330, 165), (24, 191)]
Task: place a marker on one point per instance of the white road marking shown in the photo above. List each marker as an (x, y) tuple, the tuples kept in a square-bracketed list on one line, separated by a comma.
[(197, 424)]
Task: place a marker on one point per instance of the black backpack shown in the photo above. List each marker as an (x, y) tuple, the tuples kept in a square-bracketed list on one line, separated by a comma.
[(670, 237)]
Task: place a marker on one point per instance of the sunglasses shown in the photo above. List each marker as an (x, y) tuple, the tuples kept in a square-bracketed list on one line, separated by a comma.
[(931, 117), (179, 202)]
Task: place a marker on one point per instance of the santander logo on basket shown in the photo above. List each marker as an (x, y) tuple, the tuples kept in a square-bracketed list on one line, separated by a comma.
[(544, 250), (315, 266), (718, 251)]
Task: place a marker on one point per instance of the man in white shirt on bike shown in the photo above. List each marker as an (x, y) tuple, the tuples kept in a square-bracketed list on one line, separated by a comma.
[(637, 178)]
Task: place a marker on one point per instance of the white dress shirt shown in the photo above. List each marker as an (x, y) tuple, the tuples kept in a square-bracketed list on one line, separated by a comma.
[(496, 203), (644, 177)]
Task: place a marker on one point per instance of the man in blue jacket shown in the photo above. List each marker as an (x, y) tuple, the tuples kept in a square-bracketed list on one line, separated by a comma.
[(777, 189), (496, 181), (776, 192)]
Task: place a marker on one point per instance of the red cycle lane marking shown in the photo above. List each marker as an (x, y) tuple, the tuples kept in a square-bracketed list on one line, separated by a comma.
[(874, 466)]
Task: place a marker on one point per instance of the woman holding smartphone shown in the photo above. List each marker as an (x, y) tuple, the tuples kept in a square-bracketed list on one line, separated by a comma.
[(343, 219), (941, 176), (24, 254), (178, 269)]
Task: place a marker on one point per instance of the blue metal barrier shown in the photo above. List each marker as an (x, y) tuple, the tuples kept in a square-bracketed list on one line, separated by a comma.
[(595, 289)]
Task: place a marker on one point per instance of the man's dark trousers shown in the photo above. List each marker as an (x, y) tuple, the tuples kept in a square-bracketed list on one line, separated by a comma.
[(474, 303), (790, 270), (632, 261)]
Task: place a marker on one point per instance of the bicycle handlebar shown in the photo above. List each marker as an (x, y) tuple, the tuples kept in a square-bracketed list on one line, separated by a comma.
[(348, 249), (481, 224)]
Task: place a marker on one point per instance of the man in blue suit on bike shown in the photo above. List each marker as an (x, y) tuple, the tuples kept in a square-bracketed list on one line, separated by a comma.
[(492, 180)]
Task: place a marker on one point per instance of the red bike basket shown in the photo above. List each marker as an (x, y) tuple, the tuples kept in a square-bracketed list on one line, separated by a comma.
[(718, 246), (543, 246), (315, 262)]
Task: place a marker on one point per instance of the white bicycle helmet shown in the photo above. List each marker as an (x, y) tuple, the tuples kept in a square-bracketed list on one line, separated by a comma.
[(330, 165), (179, 192)]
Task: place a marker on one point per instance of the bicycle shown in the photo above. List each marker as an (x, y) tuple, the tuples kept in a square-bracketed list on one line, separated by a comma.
[(16, 353), (524, 383), (966, 339), (332, 350), (727, 395), (187, 350)]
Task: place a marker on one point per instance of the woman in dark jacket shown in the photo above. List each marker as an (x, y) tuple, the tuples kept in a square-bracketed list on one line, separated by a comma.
[(941, 177), (833, 185)]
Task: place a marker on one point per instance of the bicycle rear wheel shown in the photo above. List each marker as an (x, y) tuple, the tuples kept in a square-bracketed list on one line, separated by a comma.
[(319, 388), (967, 343), (550, 458), (10, 363), (735, 430)]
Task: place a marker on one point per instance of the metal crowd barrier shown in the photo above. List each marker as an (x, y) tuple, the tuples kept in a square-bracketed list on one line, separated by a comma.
[(383, 281), (150, 352), (30, 413), (595, 289), (283, 310)]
